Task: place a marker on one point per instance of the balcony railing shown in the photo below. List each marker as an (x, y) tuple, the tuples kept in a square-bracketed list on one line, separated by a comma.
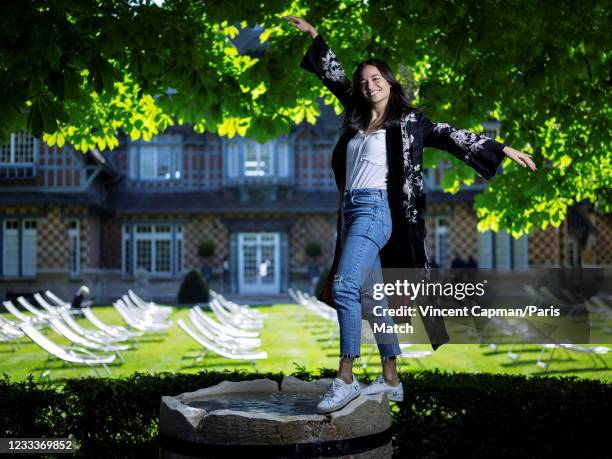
[(18, 171)]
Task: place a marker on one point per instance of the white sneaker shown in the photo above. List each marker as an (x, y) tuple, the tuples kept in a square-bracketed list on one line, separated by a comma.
[(339, 395), (395, 393)]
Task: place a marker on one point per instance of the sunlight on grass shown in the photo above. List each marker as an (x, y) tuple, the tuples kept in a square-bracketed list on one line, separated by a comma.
[(290, 336)]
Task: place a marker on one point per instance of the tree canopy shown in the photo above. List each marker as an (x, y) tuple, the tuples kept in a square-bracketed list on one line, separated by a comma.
[(82, 71)]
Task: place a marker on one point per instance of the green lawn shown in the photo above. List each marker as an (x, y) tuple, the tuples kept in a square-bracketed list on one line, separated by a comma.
[(288, 338)]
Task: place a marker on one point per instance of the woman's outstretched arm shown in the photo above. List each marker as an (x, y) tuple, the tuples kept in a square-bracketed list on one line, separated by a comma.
[(480, 152), (322, 61)]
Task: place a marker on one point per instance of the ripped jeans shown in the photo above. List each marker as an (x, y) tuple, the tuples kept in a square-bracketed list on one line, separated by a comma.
[(366, 228)]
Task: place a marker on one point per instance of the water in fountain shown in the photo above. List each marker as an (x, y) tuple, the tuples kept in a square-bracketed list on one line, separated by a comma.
[(278, 402)]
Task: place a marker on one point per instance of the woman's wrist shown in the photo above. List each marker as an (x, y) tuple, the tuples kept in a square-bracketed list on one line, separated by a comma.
[(313, 33)]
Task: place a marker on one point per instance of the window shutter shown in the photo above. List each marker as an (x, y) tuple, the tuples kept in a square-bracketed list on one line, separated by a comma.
[(283, 158), (29, 248), (485, 255), (11, 248), (233, 158)]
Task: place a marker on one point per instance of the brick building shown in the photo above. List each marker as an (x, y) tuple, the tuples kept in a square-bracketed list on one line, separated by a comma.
[(136, 216)]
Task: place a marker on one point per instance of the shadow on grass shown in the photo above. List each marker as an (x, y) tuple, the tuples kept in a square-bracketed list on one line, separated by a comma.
[(210, 365), (502, 352), (572, 370), (522, 363)]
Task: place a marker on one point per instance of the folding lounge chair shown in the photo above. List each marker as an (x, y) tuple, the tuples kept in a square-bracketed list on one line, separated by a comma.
[(229, 342), (223, 328), (224, 352), (93, 335), (66, 354)]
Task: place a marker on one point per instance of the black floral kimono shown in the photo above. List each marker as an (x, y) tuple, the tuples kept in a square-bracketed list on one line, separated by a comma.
[(406, 248)]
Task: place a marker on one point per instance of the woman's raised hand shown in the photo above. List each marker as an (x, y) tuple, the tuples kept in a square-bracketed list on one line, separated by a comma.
[(522, 159), (302, 25)]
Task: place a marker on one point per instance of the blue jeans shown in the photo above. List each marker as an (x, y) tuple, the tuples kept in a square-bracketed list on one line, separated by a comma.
[(366, 228)]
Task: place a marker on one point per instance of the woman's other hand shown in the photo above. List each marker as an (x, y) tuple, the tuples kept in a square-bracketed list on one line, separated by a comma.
[(302, 25), (522, 159)]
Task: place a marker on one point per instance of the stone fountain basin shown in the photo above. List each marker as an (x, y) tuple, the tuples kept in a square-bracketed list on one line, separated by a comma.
[(260, 413)]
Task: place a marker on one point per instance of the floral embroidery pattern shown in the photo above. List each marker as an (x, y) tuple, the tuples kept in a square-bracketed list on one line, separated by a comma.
[(332, 67), (413, 179), (466, 140)]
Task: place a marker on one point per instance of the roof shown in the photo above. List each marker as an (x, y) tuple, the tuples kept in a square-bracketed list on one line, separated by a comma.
[(218, 201), (42, 198)]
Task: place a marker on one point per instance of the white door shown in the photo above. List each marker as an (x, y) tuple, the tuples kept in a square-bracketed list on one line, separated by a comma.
[(259, 263)]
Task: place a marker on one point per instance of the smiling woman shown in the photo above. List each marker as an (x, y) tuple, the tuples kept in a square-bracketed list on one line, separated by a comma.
[(377, 165)]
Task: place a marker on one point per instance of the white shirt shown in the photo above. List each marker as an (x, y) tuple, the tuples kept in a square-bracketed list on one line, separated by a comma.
[(366, 161)]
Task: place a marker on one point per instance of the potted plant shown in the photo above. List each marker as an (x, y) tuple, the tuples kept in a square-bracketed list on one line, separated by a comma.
[(206, 250)]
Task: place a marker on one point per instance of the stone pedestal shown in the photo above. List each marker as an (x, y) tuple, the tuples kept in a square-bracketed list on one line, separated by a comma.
[(187, 429)]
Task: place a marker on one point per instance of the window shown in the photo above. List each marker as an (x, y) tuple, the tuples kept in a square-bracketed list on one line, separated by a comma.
[(19, 242), (500, 250), (159, 159), (491, 129), (441, 248), (258, 159), (74, 248), (156, 249), (21, 149)]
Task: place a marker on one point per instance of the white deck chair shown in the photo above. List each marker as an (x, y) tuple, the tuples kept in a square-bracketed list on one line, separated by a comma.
[(217, 349), (10, 333), (593, 352), (145, 316), (230, 319), (236, 316), (93, 335), (10, 328), (238, 309), (236, 344), (242, 306), (152, 315), (416, 355), (138, 323), (21, 317), (59, 327), (219, 332), (41, 313), (145, 304), (67, 354), (56, 299), (227, 329), (146, 309), (113, 330)]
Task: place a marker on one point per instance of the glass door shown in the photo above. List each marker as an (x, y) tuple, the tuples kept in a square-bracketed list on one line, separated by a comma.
[(259, 263)]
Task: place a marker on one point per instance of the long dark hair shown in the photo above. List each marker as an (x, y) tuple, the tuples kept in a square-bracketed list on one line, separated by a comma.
[(359, 112)]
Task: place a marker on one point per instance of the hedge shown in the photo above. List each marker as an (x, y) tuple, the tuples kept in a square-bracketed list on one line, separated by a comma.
[(443, 414)]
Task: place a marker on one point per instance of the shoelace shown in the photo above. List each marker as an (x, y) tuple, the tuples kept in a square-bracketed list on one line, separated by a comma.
[(330, 392)]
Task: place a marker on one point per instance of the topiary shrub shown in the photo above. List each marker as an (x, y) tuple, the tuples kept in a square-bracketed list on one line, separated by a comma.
[(206, 249), (321, 282), (313, 249), (193, 289)]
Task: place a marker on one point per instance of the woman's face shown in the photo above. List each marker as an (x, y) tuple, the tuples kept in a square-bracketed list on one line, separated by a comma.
[(373, 86)]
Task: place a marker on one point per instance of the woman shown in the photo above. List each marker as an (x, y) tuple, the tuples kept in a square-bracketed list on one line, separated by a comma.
[(377, 166)]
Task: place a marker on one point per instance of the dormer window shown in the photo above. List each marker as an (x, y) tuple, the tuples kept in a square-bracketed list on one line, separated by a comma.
[(20, 149), (258, 159), (158, 159)]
